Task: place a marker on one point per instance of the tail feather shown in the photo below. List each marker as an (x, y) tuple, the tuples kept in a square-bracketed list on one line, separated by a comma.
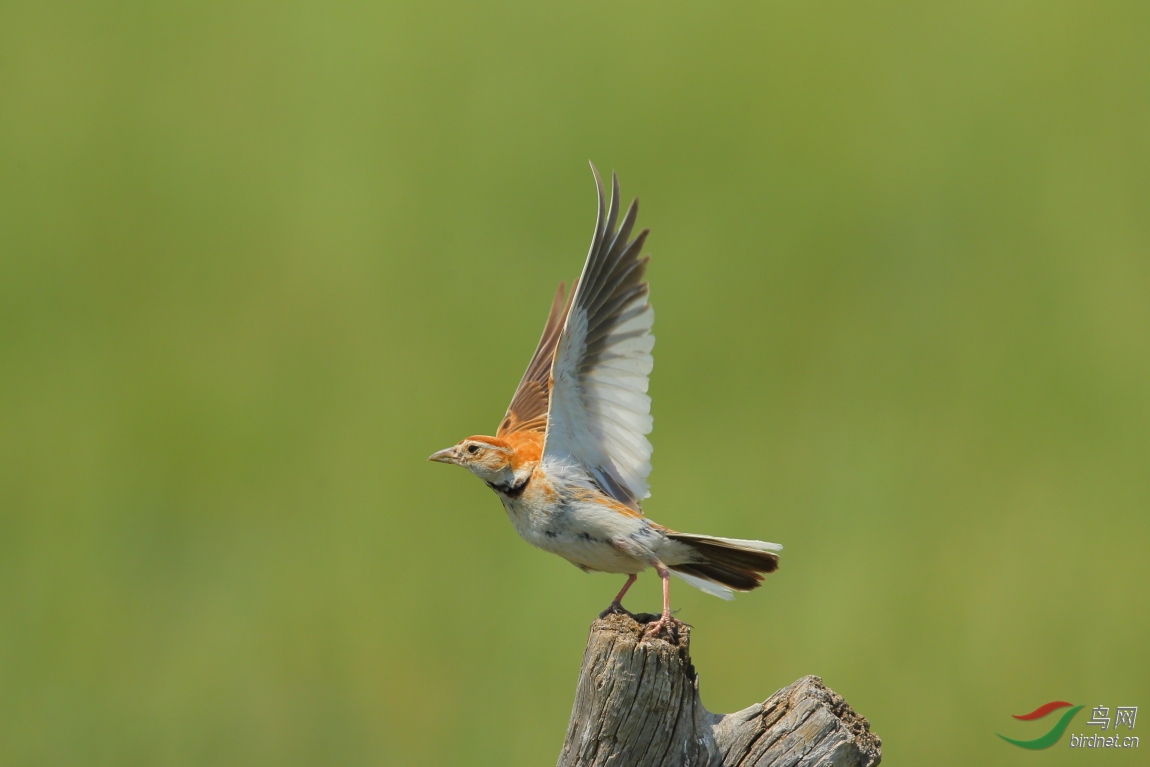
[(728, 563), (703, 584)]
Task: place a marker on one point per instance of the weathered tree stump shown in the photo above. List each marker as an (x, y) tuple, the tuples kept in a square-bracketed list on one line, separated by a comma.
[(637, 705)]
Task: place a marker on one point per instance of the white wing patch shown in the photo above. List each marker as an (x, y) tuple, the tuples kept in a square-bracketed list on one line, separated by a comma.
[(601, 415)]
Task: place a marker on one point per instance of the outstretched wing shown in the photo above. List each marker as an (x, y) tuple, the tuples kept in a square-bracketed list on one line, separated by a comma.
[(599, 412), (528, 409)]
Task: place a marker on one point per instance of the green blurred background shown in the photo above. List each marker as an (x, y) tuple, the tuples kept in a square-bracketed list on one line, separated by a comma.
[(258, 260)]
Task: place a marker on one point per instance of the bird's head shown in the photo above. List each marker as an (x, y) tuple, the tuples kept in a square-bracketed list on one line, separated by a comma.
[(488, 458)]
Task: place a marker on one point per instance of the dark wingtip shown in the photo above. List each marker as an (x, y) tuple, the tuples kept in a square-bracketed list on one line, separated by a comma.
[(602, 202), (613, 208), (598, 178)]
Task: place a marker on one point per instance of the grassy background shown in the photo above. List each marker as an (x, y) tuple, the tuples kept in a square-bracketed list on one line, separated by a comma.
[(258, 260)]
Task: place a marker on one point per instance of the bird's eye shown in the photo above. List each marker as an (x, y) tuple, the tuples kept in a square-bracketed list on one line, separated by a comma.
[(473, 448)]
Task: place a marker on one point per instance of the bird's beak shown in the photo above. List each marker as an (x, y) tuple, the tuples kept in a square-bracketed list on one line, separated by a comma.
[(444, 456)]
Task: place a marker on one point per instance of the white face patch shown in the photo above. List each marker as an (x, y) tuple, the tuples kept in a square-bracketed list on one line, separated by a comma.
[(489, 463)]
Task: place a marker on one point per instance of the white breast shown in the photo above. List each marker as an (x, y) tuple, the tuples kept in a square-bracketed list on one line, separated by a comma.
[(557, 515)]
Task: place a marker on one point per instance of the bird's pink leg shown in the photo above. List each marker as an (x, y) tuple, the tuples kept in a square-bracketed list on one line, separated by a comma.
[(665, 620), (616, 606)]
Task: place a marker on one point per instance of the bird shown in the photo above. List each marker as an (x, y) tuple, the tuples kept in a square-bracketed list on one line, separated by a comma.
[(570, 459)]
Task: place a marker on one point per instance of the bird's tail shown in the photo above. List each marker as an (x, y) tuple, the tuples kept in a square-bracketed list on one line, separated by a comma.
[(721, 565)]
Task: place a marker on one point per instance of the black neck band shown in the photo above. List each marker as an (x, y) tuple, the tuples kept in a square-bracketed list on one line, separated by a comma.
[(511, 491)]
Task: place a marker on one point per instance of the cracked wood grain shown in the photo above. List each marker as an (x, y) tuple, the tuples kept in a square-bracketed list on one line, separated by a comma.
[(637, 705)]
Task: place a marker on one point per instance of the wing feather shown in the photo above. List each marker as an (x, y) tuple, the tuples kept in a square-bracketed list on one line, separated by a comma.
[(529, 405), (599, 413)]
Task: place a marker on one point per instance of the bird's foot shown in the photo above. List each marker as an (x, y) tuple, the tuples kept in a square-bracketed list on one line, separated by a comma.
[(666, 623), (616, 608)]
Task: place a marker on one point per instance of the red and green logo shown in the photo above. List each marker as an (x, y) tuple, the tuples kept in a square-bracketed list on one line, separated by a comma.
[(1050, 738)]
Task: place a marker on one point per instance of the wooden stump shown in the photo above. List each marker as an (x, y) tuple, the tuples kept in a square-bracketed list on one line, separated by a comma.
[(637, 705)]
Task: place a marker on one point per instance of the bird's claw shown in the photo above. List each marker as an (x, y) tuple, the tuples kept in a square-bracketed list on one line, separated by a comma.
[(616, 608), (665, 623)]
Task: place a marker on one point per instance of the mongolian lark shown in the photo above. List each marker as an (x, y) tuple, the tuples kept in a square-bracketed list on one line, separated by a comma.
[(570, 459)]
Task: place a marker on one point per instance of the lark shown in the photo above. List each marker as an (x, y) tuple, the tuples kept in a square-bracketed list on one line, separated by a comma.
[(571, 457)]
